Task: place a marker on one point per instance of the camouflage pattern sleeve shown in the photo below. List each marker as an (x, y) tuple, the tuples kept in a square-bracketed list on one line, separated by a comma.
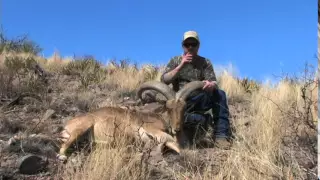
[(173, 63), (209, 73)]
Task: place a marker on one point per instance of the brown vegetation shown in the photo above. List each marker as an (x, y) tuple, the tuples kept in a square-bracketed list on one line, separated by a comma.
[(274, 126)]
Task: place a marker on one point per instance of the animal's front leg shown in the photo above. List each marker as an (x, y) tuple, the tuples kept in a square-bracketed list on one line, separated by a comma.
[(66, 140)]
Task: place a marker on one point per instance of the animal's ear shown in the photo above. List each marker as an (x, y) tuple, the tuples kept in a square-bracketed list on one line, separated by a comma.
[(169, 104), (181, 101)]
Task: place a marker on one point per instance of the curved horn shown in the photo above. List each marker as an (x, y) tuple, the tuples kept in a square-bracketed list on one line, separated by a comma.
[(188, 88), (158, 86)]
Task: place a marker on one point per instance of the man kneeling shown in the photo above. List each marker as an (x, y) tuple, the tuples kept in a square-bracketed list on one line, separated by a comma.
[(191, 67)]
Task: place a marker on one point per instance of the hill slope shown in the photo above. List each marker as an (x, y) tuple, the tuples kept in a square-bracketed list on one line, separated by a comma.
[(273, 126)]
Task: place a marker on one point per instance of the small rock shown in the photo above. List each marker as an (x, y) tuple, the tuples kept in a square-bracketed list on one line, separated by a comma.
[(73, 109), (113, 94), (97, 90), (66, 119), (57, 129), (27, 108), (35, 120), (32, 135), (50, 90), (31, 164), (48, 114), (11, 141), (76, 162)]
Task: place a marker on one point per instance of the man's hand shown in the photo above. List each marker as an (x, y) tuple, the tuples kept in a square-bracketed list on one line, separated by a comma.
[(186, 58), (209, 85), (169, 76)]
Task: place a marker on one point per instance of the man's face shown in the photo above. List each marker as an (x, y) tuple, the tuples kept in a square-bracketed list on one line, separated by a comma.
[(191, 46)]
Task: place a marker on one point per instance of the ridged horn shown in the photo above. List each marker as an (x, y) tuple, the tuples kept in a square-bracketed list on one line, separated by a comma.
[(158, 86), (188, 88)]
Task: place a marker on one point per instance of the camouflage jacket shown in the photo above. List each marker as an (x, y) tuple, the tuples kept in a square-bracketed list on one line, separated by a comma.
[(202, 69)]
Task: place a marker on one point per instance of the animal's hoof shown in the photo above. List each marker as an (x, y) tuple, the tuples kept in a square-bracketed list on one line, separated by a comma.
[(62, 158)]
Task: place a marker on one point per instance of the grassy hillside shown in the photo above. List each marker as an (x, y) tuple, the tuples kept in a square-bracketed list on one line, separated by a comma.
[(274, 126)]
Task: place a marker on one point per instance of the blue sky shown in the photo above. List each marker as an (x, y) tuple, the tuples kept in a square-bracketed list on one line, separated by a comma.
[(259, 38)]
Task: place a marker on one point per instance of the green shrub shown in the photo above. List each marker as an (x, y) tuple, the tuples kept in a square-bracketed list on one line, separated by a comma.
[(19, 76), (87, 68), (18, 45)]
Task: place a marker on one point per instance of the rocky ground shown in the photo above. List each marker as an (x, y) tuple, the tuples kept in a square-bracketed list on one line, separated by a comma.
[(34, 157)]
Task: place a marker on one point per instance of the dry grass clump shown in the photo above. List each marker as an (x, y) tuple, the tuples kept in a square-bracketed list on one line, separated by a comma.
[(17, 75), (231, 85), (117, 163), (20, 44), (88, 69), (275, 114)]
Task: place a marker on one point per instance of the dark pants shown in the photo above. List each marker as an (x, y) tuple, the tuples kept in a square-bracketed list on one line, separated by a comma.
[(217, 103)]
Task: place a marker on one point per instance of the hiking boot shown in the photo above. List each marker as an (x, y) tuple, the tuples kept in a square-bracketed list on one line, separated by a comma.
[(222, 143)]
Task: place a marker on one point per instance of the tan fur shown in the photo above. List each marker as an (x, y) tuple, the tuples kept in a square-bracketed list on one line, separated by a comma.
[(109, 121)]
